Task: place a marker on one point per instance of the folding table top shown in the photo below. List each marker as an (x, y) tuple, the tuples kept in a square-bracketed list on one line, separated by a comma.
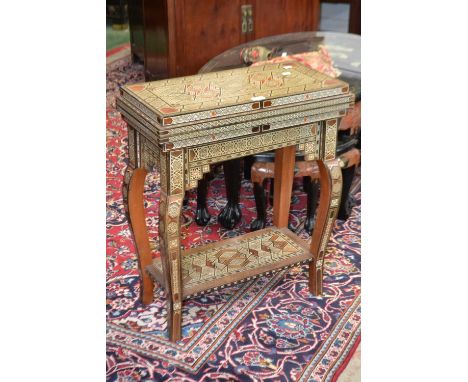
[(183, 100)]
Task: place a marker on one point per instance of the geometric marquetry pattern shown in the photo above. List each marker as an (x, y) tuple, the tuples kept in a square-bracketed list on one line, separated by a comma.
[(336, 187), (211, 95), (176, 168), (244, 255), (273, 117), (232, 132), (245, 146), (330, 139), (131, 147)]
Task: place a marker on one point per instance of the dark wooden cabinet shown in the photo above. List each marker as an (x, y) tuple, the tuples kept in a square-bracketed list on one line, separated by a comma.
[(203, 30), (180, 36), (274, 17), (135, 20)]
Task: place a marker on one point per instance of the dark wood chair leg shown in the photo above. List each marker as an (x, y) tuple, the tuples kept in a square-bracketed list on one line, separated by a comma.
[(231, 214), (202, 216), (271, 193), (248, 162), (260, 204), (311, 188), (348, 175)]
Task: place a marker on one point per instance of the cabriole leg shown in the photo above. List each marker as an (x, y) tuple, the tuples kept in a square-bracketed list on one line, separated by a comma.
[(330, 195), (136, 210)]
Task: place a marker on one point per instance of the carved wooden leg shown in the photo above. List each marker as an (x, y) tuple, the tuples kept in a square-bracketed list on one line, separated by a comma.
[(311, 189), (348, 176), (260, 204), (272, 191), (330, 194), (348, 161), (231, 214), (284, 175), (248, 162), (202, 216), (172, 194), (169, 230), (260, 172), (136, 209)]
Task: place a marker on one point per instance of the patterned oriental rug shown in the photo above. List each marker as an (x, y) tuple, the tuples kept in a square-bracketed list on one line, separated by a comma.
[(267, 329)]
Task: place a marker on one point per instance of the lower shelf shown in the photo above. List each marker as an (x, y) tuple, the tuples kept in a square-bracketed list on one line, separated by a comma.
[(237, 259)]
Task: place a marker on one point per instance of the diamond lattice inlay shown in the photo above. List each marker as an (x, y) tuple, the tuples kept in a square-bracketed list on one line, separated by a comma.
[(238, 259)]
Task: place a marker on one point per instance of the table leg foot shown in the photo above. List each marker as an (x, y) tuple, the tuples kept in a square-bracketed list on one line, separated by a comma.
[(330, 195), (136, 210), (174, 323)]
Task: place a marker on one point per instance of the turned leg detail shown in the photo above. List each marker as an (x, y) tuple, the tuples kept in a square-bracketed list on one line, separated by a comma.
[(330, 195)]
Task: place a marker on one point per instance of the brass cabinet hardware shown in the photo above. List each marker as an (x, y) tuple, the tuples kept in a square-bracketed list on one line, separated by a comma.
[(249, 19), (246, 19)]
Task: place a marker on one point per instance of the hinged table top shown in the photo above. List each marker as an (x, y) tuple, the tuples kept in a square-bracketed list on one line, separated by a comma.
[(211, 95)]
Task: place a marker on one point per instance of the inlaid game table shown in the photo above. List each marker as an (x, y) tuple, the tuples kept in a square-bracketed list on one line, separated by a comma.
[(183, 125)]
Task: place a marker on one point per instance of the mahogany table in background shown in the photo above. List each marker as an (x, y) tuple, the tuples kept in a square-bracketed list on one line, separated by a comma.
[(345, 49)]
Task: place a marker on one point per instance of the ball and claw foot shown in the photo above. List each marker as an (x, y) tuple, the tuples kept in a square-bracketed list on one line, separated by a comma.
[(257, 224), (202, 216), (309, 224), (230, 215)]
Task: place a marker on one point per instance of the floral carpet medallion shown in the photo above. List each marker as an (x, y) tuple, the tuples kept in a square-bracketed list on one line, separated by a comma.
[(267, 329)]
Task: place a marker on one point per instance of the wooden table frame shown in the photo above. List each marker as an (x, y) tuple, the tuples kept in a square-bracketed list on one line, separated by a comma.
[(180, 170)]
